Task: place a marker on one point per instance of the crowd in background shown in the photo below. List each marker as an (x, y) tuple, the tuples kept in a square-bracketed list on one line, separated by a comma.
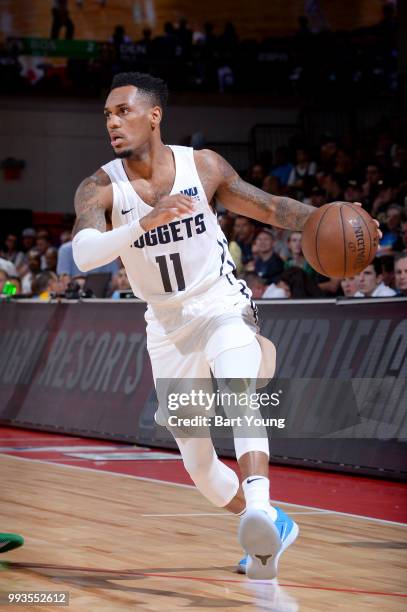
[(358, 63), (372, 172)]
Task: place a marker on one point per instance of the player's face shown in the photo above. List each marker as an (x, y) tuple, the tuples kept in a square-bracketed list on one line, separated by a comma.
[(368, 280), (400, 274), (130, 120), (350, 286)]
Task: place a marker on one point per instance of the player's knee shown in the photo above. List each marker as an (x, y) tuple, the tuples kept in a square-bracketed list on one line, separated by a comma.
[(198, 466)]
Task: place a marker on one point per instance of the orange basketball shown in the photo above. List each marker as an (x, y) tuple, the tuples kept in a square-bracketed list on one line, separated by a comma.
[(339, 239)]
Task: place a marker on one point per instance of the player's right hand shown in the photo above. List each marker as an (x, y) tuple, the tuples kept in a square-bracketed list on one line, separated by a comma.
[(168, 209)]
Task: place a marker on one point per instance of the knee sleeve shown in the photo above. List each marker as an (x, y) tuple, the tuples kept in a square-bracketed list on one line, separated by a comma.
[(215, 480)]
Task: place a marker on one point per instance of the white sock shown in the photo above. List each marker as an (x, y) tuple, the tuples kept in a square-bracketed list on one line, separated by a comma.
[(256, 491)]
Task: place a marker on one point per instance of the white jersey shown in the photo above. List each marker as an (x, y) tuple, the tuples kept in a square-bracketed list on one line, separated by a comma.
[(178, 260)]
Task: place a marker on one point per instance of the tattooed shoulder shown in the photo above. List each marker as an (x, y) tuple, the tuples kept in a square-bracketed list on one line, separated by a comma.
[(213, 170), (93, 201)]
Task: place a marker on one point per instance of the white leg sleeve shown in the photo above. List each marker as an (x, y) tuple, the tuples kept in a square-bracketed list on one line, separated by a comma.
[(92, 248), (243, 362), (215, 480)]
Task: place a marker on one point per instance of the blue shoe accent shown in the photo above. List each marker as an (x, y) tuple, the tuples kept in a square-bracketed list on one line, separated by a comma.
[(264, 540), (241, 566)]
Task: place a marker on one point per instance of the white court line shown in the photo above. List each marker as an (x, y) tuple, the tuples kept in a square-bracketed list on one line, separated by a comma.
[(230, 514), (176, 484)]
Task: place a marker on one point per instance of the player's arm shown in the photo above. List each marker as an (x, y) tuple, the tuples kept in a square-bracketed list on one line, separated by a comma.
[(244, 199), (92, 245)]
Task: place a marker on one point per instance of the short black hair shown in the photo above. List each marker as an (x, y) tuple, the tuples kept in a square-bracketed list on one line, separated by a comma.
[(149, 85), (377, 265)]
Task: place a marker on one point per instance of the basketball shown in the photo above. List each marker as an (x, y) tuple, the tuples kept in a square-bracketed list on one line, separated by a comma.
[(339, 240)]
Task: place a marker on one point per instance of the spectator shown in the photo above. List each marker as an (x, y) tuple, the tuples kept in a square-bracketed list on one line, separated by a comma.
[(317, 197), (184, 36), (296, 257), (255, 284), (343, 164), (371, 185), (34, 268), (244, 235), (29, 237), (277, 291), (8, 267), (255, 175), (144, 44), (402, 243), (382, 197), (3, 279), (66, 236), (120, 282), (10, 252), (281, 237), (119, 37), (60, 19), (400, 273), (41, 244), (51, 259), (271, 184), (332, 186), (328, 151), (371, 282), (391, 230), (387, 262), (350, 286), (283, 167), (44, 284), (268, 265), (301, 176), (296, 284), (227, 223), (353, 192)]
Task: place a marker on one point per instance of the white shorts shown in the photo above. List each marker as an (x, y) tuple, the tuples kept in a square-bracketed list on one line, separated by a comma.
[(183, 341)]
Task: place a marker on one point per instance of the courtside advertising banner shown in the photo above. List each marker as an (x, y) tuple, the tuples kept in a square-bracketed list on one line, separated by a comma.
[(338, 397)]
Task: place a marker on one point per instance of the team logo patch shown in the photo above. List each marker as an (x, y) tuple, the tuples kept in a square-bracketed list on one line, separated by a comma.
[(192, 192)]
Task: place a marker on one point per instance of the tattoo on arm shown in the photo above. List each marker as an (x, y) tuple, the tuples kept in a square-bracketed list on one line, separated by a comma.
[(245, 199), (290, 213), (89, 207)]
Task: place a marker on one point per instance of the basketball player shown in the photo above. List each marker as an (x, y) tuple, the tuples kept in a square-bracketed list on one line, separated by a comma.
[(159, 201)]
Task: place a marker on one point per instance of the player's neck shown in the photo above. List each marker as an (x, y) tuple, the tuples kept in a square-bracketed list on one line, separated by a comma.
[(145, 161)]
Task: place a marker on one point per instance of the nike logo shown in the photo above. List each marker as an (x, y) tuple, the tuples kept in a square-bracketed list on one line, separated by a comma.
[(252, 480), (3, 544), (124, 212)]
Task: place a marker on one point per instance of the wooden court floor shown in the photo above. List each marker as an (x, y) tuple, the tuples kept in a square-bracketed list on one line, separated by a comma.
[(120, 543)]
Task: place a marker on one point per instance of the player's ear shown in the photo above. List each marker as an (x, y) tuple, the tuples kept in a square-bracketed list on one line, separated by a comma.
[(155, 116)]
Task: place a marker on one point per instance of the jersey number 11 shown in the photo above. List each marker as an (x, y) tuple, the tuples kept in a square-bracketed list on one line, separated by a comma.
[(179, 275)]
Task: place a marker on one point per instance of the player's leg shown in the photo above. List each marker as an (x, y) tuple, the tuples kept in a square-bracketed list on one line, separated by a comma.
[(213, 478), (252, 453), (264, 532), (176, 362)]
